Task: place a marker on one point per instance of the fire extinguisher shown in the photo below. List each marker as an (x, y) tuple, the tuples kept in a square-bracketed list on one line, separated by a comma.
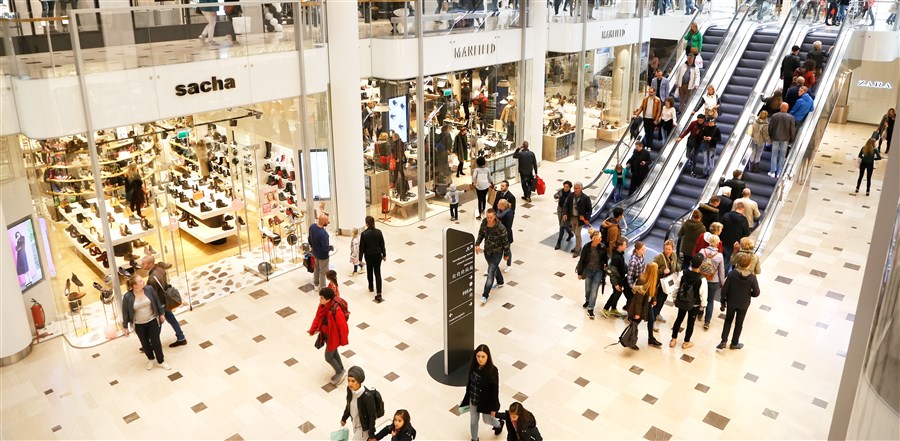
[(37, 314), (385, 202)]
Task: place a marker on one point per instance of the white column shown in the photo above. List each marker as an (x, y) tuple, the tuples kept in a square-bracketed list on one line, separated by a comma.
[(15, 334), (535, 97), (343, 68)]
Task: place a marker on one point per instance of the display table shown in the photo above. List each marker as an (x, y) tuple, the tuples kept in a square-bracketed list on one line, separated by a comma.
[(611, 135), (556, 147), (401, 207)]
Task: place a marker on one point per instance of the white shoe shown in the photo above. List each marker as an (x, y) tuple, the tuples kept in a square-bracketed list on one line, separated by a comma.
[(165, 366), (149, 364), (483, 300), (771, 175), (507, 269)]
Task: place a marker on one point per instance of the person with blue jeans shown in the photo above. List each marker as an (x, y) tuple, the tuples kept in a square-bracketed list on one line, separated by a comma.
[(709, 139), (782, 128), (496, 248), (592, 268), (157, 279), (712, 284)]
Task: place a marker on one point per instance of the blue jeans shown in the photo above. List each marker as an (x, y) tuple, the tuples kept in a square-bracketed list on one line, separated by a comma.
[(617, 192), (486, 417), (689, 7), (170, 317), (712, 288), (842, 12), (779, 151), (493, 272), (592, 282), (709, 157)]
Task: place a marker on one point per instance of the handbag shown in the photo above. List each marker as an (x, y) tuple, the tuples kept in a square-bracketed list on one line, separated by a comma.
[(670, 283), (321, 339), (198, 195), (241, 25)]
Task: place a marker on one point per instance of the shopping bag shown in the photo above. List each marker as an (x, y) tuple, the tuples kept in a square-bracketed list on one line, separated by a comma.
[(341, 435), (241, 25), (541, 186), (670, 283), (463, 409), (492, 195)]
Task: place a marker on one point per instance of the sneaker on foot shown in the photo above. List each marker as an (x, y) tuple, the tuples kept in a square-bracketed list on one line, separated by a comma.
[(660, 319), (507, 269), (149, 364), (178, 343), (498, 286), (737, 346), (721, 345), (604, 313), (584, 306), (672, 343), (483, 300), (615, 313), (338, 378), (706, 326), (687, 345), (165, 366), (591, 314)]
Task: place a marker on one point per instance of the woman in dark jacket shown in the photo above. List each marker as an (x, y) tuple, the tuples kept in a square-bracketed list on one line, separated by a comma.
[(739, 287), (868, 155), (616, 270), (373, 252), (687, 300), (520, 424), (688, 234), (360, 405), (887, 128), (482, 391), (400, 430), (142, 311)]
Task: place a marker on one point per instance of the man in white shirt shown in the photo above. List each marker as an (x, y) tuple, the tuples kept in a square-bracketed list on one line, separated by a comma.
[(751, 208)]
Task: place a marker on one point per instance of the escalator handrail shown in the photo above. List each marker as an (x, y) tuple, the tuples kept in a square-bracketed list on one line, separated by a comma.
[(684, 119), (751, 106)]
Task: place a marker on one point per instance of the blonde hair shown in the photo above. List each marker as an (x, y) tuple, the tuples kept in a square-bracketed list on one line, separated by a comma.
[(669, 242), (764, 115), (650, 277), (716, 228), (355, 232), (714, 241), (747, 243), (503, 204), (869, 148), (743, 260)]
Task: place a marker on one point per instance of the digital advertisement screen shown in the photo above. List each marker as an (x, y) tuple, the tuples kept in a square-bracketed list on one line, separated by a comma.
[(398, 115), (320, 174), (25, 253)]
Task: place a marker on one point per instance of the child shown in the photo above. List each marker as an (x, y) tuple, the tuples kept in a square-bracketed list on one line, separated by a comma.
[(618, 180), (401, 430), (453, 197), (354, 253), (331, 276)]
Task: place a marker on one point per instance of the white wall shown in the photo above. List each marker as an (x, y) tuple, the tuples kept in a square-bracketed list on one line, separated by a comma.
[(566, 37)]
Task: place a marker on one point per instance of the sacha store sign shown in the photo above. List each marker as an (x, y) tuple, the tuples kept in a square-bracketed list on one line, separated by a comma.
[(214, 84)]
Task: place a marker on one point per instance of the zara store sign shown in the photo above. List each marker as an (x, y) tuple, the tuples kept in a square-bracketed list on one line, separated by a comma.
[(874, 84)]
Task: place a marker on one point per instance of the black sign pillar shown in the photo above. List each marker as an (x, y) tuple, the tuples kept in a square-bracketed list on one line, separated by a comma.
[(450, 366)]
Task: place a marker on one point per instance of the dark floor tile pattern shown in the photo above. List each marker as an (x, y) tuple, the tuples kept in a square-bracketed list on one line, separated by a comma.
[(95, 356), (328, 387), (401, 346), (519, 396), (306, 427), (199, 407), (556, 296), (559, 274), (590, 414), (258, 294), (687, 358), (362, 325), (504, 330), (519, 364), (582, 381), (701, 387), (131, 417), (391, 376), (231, 370), (751, 377), (422, 296), (56, 429), (175, 376), (785, 280), (657, 434), (307, 288), (512, 283), (411, 320), (650, 399), (804, 253), (259, 338), (765, 308), (798, 365), (636, 370), (114, 382), (802, 302), (399, 260), (574, 354), (285, 312), (818, 273), (290, 361), (852, 266), (48, 391), (569, 328), (851, 317), (716, 420), (438, 256), (235, 437), (231, 318), (389, 279), (835, 295), (430, 276), (770, 413), (781, 333), (348, 353), (820, 403), (822, 325), (508, 305), (205, 344)]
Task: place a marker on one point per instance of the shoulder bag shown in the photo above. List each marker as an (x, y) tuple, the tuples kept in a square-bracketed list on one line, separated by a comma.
[(670, 283)]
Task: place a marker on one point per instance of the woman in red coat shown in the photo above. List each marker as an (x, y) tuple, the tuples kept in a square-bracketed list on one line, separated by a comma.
[(331, 324)]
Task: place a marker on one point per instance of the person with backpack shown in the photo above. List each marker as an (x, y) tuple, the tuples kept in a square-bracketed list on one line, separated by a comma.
[(739, 287), (713, 269), (691, 290), (616, 270), (158, 280), (330, 323), (482, 392), (400, 430), (591, 268), (361, 405), (643, 299), (611, 230), (520, 423)]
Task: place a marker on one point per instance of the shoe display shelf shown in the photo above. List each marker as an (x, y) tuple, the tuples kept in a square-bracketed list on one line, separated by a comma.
[(137, 231)]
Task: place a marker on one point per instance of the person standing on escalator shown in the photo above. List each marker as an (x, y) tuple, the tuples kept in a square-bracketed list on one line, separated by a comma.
[(639, 163), (789, 63), (687, 76), (709, 139), (650, 110)]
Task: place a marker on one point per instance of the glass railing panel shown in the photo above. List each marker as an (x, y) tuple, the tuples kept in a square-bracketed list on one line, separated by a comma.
[(396, 20)]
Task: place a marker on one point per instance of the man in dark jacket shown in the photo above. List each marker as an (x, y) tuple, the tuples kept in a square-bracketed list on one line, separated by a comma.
[(790, 62), (461, 149), (527, 169), (360, 405), (577, 207), (693, 133), (725, 201), (618, 270), (792, 94), (709, 139), (504, 193), (740, 285), (611, 229), (782, 129), (639, 163), (373, 252), (321, 247), (688, 234), (734, 228), (736, 182), (710, 211)]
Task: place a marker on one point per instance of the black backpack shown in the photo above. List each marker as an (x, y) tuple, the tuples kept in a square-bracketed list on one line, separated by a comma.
[(629, 336), (379, 402), (688, 297), (604, 231)]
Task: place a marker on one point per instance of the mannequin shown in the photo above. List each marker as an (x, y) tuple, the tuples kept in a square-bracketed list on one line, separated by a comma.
[(509, 117)]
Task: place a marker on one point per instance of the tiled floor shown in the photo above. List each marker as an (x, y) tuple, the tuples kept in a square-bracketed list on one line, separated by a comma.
[(250, 371)]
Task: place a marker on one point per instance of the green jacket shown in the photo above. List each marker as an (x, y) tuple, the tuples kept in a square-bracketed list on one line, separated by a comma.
[(495, 238), (694, 40)]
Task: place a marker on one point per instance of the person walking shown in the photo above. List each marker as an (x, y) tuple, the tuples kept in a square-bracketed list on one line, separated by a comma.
[(360, 406), (867, 157), (617, 272), (527, 169), (667, 264), (577, 209), (520, 423), (481, 181), (482, 392), (650, 111), (354, 253), (611, 229), (561, 196), (144, 312), (639, 163), (330, 322), (506, 216), (331, 277), (782, 129), (400, 430), (461, 147), (693, 133), (158, 280), (759, 138), (643, 300), (887, 123), (591, 268), (504, 193), (635, 269), (713, 280), (690, 230), (321, 247), (496, 247), (687, 77), (789, 63), (373, 252), (692, 289), (740, 286)]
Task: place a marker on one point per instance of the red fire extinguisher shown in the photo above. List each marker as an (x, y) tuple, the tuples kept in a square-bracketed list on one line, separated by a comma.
[(37, 314), (385, 202)]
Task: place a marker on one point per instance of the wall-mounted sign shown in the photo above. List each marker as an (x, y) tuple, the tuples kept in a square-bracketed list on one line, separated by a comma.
[(874, 84), (474, 50), (213, 85), (612, 33)]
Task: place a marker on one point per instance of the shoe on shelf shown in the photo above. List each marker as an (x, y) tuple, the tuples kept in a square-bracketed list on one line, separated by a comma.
[(149, 363), (178, 343), (721, 345), (737, 346), (165, 366), (687, 345)]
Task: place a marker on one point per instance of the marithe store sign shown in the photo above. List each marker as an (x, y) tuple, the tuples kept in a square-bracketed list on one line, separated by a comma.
[(612, 33), (474, 50), (213, 85)]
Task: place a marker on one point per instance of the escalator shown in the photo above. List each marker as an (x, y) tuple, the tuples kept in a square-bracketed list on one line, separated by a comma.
[(687, 188)]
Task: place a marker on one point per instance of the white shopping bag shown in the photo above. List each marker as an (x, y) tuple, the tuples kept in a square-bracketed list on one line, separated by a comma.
[(241, 25)]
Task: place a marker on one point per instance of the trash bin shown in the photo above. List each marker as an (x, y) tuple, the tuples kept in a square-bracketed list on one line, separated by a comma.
[(840, 114)]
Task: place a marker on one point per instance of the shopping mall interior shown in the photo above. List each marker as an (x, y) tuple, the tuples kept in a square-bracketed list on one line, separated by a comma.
[(126, 139)]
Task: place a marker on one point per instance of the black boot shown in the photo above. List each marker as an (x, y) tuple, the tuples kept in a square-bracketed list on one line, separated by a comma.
[(268, 151), (557, 244)]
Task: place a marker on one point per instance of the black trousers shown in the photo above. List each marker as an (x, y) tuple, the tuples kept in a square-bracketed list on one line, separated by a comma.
[(614, 298), (459, 168), (867, 169), (148, 334), (454, 211), (691, 316), (649, 125), (482, 200), (736, 315), (373, 268), (526, 185)]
